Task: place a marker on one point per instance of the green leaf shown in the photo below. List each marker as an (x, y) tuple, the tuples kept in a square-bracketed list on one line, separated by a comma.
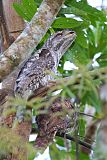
[(91, 37), (84, 156), (82, 124), (26, 9), (62, 22), (33, 5), (85, 24), (59, 141), (30, 7), (92, 13), (97, 32), (73, 10), (55, 153), (77, 55), (20, 10), (102, 63), (82, 40), (91, 99)]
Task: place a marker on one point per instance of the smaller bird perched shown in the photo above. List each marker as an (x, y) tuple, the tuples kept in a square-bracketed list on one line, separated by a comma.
[(59, 117), (33, 75)]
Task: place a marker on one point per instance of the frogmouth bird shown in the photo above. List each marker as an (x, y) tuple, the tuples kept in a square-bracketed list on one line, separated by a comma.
[(36, 71), (59, 117)]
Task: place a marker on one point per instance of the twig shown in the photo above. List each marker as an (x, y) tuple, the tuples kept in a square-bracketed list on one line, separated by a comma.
[(63, 135), (74, 140), (81, 113)]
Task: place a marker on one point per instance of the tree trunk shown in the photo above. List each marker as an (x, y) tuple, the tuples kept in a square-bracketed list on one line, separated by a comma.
[(15, 23)]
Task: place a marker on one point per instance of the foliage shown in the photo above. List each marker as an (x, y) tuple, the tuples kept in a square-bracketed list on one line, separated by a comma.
[(26, 9), (91, 29)]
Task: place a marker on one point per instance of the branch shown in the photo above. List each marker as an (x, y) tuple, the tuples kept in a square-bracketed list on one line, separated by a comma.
[(30, 37), (5, 41), (15, 23), (63, 135)]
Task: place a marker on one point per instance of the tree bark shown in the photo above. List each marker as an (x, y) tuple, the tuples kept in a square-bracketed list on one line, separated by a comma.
[(15, 23), (4, 34)]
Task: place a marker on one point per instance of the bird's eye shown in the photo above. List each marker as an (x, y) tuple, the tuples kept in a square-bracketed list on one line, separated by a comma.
[(59, 34)]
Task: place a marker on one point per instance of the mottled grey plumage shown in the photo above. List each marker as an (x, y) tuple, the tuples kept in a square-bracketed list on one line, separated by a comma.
[(33, 75)]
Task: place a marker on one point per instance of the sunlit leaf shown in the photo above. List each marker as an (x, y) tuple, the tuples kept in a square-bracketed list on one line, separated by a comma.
[(20, 10), (81, 39), (26, 9), (62, 22), (89, 10), (77, 55)]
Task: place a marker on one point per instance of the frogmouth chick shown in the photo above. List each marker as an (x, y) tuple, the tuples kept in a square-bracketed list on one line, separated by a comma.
[(59, 117)]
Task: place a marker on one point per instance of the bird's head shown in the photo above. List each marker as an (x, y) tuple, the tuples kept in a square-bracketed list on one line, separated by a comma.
[(60, 41)]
